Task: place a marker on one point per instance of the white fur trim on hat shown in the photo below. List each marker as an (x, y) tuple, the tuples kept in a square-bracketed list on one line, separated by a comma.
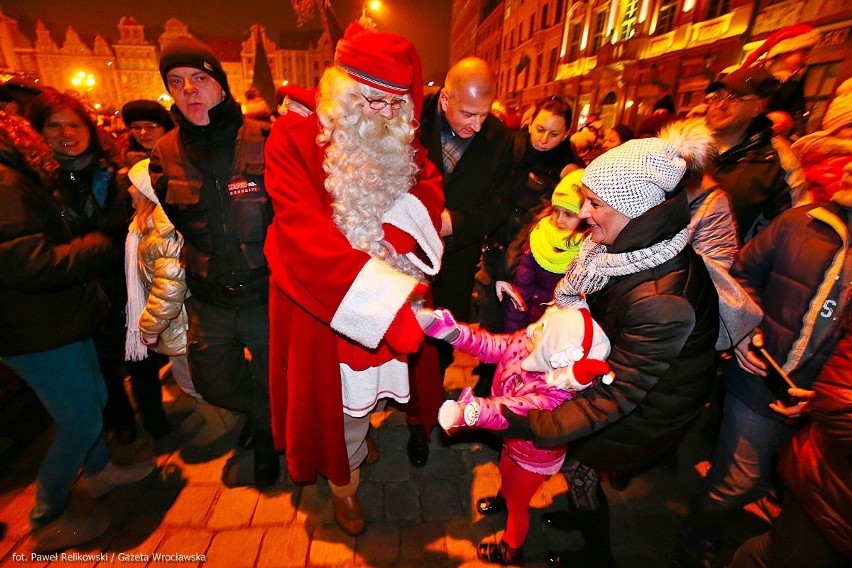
[(410, 215), (561, 346), (141, 179), (371, 303), (839, 111)]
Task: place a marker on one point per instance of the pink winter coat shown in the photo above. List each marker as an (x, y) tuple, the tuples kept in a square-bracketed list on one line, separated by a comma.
[(516, 389)]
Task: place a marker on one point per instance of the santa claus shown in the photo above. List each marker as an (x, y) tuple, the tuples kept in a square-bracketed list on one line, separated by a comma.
[(352, 244)]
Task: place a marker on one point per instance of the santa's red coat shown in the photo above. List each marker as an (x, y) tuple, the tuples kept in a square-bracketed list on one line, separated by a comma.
[(313, 268)]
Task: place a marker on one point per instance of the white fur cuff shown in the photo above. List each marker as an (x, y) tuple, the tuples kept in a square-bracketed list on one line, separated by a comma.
[(372, 301), (409, 214)]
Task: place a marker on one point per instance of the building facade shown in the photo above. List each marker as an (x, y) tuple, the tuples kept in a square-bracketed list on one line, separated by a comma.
[(110, 75), (616, 58)]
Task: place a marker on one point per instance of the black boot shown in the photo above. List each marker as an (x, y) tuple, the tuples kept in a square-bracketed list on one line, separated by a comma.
[(417, 447), (246, 438), (491, 505), (500, 553), (266, 466), (597, 551), (699, 540)]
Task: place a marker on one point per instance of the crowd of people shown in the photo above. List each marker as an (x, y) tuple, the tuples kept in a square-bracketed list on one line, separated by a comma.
[(362, 231)]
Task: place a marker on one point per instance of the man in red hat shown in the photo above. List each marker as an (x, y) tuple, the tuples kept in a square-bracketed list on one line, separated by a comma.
[(353, 241)]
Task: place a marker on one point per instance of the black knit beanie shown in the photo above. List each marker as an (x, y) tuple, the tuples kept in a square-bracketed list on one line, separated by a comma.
[(189, 52), (147, 110)]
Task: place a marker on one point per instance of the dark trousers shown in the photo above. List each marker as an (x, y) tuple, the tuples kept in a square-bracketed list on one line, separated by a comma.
[(145, 384), (222, 372)]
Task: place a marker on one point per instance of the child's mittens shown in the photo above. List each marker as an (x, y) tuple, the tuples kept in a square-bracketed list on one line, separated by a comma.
[(439, 324), (451, 415)]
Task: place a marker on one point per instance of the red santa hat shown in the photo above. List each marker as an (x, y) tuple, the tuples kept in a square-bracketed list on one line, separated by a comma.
[(785, 40), (572, 351), (381, 60)]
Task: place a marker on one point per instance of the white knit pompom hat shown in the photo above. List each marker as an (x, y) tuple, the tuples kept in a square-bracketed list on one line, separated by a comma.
[(637, 175)]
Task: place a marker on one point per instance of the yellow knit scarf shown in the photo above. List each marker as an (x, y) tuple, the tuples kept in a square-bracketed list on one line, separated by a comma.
[(553, 248)]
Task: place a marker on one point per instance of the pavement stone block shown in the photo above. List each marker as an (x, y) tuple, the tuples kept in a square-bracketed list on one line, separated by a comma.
[(331, 547), (379, 545), (131, 552), (315, 504), (278, 507), (187, 542), (235, 549), (371, 497), (402, 500), (392, 466), (284, 547), (424, 541), (440, 500), (442, 463), (149, 511), (192, 505), (234, 508)]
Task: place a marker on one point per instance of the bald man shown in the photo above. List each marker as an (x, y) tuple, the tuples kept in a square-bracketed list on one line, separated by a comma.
[(473, 150)]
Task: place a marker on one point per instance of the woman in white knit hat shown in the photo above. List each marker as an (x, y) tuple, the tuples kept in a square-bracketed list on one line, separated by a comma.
[(654, 299)]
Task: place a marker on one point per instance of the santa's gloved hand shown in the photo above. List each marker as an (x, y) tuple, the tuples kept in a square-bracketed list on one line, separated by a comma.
[(519, 426), (451, 415), (404, 334), (439, 324)]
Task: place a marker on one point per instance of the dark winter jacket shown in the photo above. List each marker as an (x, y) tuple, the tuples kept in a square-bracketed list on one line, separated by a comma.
[(209, 180), (663, 323), (476, 197), (788, 269), (535, 285), (817, 465), (752, 175), (49, 296), (534, 176)]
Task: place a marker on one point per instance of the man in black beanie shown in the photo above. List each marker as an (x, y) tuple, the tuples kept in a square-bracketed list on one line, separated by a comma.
[(208, 176)]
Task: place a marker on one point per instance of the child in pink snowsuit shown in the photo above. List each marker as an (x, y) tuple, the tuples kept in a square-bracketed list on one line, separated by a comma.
[(537, 367)]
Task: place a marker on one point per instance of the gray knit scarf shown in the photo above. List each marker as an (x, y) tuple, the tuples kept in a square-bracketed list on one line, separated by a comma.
[(593, 266)]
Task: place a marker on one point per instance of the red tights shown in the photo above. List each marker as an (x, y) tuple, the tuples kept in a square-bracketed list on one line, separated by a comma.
[(517, 486)]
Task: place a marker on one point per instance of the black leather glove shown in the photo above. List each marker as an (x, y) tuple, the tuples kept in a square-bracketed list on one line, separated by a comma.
[(519, 426)]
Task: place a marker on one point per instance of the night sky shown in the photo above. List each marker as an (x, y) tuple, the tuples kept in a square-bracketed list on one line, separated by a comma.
[(424, 22)]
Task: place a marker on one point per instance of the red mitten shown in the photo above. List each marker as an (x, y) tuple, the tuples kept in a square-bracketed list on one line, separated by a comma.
[(419, 292), (402, 242), (404, 334)]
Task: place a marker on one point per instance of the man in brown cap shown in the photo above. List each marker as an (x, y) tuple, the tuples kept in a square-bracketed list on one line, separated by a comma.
[(748, 166)]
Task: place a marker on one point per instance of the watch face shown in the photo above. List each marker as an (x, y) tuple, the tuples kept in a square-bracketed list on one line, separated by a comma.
[(471, 414)]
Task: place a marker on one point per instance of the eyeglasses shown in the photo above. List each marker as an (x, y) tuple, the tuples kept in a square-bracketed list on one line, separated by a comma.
[(717, 99), (380, 104), (149, 126)]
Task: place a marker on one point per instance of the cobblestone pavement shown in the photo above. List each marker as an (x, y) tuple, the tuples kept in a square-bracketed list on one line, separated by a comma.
[(419, 517)]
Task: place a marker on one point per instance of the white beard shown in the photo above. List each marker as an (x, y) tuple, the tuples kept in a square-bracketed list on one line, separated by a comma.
[(368, 169)]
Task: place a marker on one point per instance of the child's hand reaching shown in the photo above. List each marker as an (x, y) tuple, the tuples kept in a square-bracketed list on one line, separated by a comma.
[(502, 287), (439, 324)]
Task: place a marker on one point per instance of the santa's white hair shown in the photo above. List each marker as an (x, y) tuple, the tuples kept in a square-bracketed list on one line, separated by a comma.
[(369, 162)]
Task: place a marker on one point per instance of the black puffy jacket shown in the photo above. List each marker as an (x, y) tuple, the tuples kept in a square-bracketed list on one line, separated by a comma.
[(662, 323), (48, 293)]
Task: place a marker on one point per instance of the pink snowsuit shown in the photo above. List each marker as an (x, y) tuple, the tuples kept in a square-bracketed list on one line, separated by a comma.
[(516, 389), (524, 467)]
